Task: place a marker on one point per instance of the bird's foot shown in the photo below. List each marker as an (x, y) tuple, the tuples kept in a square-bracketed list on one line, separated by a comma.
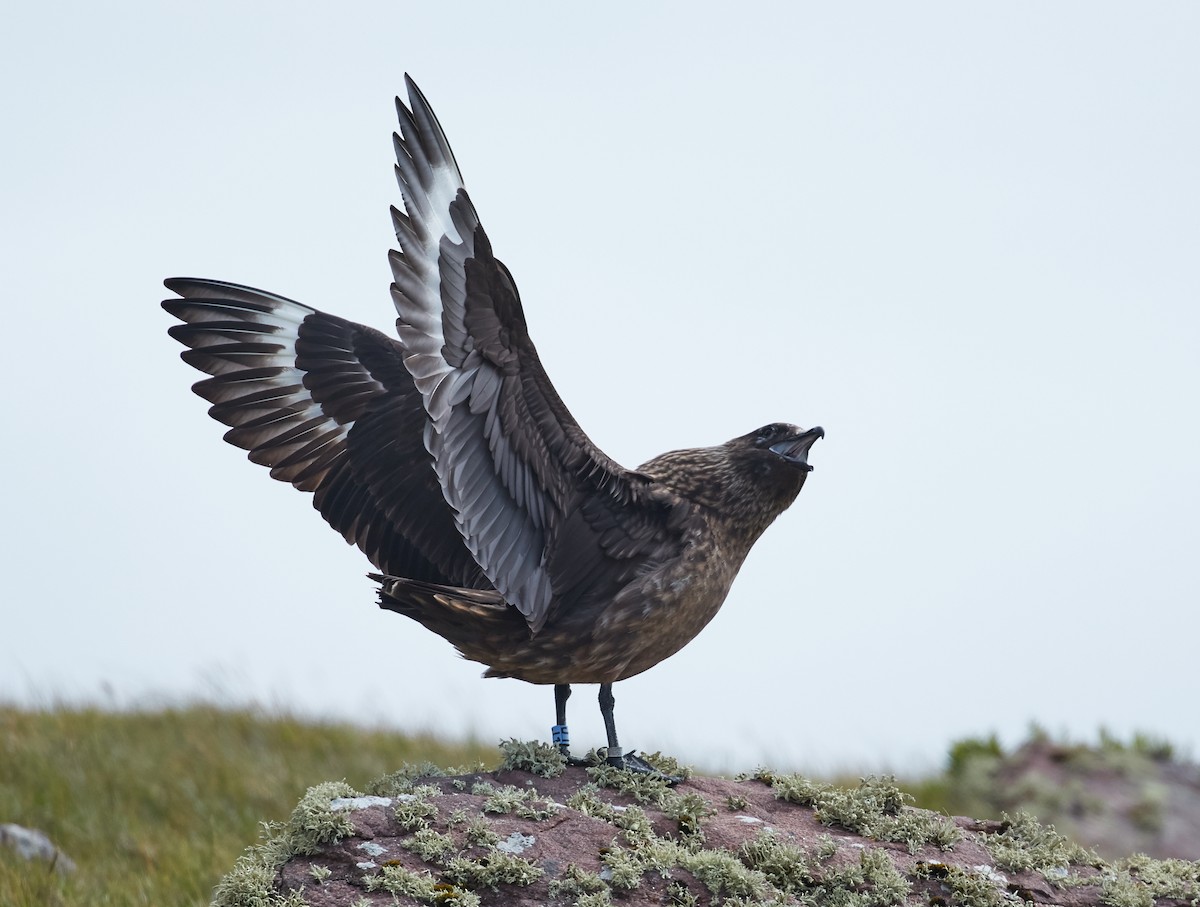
[(573, 760), (631, 762)]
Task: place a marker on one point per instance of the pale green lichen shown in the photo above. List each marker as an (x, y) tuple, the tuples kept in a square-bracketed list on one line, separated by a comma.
[(452, 896), (689, 811), (521, 802), (643, 788), (669, 765), (459, 874), (784, 865), (872, 882), (887, 885), (587, 800), (623, 868), (780, 901), (402, 882), (875, 810), (506, 799), (1120, 890), (415, 813), (724, 874), (431, 846), (491, 870), (403, 780), (966, 887), (423, 792), (314, 822), (480, 833), (319, 873), (826, 847), (635, 825), (1025, 844), (252, 884), (595, 899), (1178, 879), (575, 882), (765, 870), (532, 756), (679, 895)]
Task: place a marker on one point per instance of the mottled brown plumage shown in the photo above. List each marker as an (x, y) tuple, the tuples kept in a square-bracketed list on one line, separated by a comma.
[(448, 458), (631, 613)]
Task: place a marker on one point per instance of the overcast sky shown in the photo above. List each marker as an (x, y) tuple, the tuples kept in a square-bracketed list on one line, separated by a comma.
[(962, 237)]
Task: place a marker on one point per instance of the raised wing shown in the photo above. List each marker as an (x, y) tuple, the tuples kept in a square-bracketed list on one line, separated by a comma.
[(547, 516), (328, 406)]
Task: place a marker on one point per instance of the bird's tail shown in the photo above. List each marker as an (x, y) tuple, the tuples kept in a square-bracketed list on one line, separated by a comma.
[(475, 621)]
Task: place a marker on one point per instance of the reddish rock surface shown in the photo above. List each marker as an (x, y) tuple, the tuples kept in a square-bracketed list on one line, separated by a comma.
[(733, 813)]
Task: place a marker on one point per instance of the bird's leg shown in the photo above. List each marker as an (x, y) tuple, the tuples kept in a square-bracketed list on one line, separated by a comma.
[(559, 733), (616, 756), (610, 725)]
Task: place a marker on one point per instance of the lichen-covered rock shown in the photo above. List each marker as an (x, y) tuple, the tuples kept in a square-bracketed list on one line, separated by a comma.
[(595, 836)]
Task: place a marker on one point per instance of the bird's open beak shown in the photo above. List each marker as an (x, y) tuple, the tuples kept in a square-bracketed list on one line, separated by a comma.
[(795, 449)]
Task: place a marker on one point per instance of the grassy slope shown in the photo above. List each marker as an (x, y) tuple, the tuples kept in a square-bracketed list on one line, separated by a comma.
[(155, 807)]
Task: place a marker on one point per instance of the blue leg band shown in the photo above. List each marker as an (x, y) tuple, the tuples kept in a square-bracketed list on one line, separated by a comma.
[(560, 735)]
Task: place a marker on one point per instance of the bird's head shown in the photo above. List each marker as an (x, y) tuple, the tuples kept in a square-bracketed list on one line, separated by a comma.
[(775, 457), (777, 446), (752, 478)]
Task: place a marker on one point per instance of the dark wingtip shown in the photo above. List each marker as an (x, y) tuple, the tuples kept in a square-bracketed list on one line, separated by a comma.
[(179, 286), (414, 92)]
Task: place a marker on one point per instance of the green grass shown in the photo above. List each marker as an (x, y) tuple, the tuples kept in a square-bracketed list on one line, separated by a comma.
[(156, 806)]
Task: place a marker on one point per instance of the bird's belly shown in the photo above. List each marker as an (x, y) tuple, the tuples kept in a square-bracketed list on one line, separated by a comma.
[(634, 632)]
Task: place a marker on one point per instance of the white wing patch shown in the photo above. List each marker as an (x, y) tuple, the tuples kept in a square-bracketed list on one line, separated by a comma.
[(246, 340), (481, 478)]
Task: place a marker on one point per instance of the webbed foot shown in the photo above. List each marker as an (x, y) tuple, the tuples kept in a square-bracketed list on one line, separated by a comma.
[(631, 762)]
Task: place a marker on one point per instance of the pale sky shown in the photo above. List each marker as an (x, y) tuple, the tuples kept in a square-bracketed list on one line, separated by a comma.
[(962, 237)]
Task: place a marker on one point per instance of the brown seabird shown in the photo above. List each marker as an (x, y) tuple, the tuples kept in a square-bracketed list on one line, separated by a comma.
[(448, 458)]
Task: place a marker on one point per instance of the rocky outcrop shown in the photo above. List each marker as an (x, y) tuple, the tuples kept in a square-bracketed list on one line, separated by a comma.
[(1115, 797), (535, 832)]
